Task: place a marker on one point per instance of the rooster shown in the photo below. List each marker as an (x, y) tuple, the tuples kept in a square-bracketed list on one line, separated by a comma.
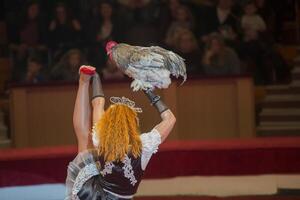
[(150, 67)]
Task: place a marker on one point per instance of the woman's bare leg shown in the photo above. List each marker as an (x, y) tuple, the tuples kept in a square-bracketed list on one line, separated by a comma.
[(82, 113)]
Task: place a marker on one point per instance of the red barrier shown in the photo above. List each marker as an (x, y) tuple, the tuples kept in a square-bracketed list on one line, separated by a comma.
[(188, 158)]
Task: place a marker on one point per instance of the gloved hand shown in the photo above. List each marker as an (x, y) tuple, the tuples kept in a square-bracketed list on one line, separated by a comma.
[(156, 101)]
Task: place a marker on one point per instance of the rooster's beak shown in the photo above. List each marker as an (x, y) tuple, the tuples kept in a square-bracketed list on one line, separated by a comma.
[(109, 52)]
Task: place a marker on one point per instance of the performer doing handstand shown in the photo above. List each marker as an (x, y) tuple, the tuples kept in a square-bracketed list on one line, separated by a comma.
[(111, 161)]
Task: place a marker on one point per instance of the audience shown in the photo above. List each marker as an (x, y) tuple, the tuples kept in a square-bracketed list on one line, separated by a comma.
[(243, 40)]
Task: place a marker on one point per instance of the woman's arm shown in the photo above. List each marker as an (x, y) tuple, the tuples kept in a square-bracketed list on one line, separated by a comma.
[(82, 112), (168, 119), (166, 125)]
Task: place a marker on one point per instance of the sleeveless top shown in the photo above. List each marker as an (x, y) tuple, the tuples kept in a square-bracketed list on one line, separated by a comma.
[(122, 179)]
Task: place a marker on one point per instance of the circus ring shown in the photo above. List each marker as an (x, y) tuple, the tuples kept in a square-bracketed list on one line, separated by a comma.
[(236, 167)]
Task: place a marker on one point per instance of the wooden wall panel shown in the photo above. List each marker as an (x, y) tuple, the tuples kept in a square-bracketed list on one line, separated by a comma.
[(50, 113), (209, 108), (245, 108), (19, 118)]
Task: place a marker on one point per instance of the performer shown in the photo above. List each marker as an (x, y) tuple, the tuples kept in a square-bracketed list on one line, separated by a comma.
[(113, 156)]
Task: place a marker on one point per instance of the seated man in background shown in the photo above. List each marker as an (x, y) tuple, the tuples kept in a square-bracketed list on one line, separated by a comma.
[(219, 59)]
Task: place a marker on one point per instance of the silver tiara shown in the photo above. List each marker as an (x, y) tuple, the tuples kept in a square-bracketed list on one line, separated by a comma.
[(125, 101)]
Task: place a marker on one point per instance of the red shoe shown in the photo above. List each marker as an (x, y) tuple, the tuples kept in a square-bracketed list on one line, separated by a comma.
[(88, 70)]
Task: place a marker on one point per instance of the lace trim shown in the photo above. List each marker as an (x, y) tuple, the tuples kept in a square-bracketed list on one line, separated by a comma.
[(128, 171), (107, 168), (85, 174)]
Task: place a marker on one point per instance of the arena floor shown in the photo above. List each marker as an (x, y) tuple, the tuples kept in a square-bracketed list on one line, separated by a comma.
[(56, 192)]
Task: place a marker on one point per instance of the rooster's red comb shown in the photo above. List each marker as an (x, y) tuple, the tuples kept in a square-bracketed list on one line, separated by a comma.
[(110, 45)]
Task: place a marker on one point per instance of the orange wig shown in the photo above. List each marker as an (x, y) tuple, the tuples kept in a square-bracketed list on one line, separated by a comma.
[(119, 134)]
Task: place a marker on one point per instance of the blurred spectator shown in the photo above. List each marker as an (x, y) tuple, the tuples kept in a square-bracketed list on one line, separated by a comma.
[(111, 71), (258, 54), (252, 23), (182, 19), (138, 21), (186, 45), (103, 22), (31, 36), (219, 18), (102, 27), (168, 12), (32, 32), (219, 59), (173, 5), (64, 31), (67, 68), (35, 71)]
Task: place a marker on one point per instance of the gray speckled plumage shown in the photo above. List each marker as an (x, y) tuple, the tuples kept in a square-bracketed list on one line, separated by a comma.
[(150, 67)]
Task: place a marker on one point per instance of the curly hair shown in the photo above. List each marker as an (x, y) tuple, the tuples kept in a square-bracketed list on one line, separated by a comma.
[(119, 134)]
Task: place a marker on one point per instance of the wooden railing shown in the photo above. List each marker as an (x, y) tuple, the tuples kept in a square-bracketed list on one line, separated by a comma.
[(41, 115)]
